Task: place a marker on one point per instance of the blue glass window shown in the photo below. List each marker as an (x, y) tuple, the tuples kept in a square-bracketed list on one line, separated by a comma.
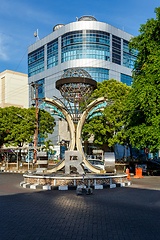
[(98, 74), (97, 37), (36, 62), (128, 80), (71, 38), (93, 44), (40, 88), (52, 54), (129, 56)]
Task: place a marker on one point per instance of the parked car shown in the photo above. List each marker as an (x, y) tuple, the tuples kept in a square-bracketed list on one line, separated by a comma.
[(95, 162), (149, 167), (153, 168)]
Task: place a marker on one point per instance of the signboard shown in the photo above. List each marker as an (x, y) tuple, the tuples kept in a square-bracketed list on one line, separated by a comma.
[(146, 150), (30, 156)]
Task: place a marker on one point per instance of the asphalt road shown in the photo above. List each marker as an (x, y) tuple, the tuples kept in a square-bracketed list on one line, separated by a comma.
[(122, 213)]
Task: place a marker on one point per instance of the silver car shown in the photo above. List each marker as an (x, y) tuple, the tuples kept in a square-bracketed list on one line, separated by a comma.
[(96, 163)]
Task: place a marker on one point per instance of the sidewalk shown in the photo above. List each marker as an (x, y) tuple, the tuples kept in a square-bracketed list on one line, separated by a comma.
[(147, 182)]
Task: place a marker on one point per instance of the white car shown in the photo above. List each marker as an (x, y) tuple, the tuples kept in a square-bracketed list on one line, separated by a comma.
[(95, 162)]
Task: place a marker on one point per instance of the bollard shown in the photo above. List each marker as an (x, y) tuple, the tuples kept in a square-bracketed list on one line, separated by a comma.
[(138, 173), (128, 176)]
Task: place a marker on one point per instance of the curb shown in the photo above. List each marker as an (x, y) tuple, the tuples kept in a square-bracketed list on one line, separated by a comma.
[(8, 171), (66, 187)]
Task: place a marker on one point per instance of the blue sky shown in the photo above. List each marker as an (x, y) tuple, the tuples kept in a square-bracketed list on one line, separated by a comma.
[(19, 19)]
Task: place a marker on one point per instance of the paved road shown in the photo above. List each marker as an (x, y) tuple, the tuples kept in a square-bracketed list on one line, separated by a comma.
[(147, 182), (112, 214)]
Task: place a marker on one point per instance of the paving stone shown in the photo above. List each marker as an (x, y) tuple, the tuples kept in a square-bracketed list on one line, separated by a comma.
[(114, 214)]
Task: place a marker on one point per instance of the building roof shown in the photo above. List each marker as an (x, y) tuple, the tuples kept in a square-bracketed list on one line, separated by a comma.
[(13, 72)]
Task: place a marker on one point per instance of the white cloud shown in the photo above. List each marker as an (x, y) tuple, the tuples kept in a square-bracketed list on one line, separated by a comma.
[(3, 47)]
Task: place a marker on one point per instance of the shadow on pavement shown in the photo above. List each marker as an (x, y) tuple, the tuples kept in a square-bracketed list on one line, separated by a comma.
[(121, 213)]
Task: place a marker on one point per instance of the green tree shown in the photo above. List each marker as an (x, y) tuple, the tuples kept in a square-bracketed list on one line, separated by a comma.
[(46, 123), (109, 128), (17, 126), (143, 121)]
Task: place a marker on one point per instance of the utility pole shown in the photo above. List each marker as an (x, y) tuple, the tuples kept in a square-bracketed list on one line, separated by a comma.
[(36, 131), (36, 114)]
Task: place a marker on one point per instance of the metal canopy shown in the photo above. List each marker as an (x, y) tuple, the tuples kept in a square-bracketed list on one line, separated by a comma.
[(76, 86)]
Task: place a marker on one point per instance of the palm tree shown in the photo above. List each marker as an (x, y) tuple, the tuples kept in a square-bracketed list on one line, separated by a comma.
[(47, 146)]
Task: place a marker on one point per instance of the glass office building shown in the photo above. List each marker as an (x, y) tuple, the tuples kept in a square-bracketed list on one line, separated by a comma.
[(97, 47)]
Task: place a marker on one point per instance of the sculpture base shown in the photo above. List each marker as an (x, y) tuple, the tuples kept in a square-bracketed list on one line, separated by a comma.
[(62, 181)]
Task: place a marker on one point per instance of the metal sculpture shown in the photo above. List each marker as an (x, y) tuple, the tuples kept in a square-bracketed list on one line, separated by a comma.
[(76, 87)]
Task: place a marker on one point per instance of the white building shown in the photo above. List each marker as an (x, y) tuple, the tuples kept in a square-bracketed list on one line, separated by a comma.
[(99, 48), (14, 89)]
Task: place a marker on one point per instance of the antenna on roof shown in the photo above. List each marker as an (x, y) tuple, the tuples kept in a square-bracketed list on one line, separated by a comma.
[(36, 35)]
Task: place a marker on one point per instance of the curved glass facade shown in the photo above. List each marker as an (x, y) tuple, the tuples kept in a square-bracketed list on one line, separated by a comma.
[(77, 41), (52, 54), (98, 74), (85, 44)]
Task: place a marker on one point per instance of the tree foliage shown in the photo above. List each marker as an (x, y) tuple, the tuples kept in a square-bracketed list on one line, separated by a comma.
[(108, 129), (17, 125), (143, 123)]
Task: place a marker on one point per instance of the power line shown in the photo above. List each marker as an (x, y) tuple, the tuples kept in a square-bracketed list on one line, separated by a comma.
[(21, 60)]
